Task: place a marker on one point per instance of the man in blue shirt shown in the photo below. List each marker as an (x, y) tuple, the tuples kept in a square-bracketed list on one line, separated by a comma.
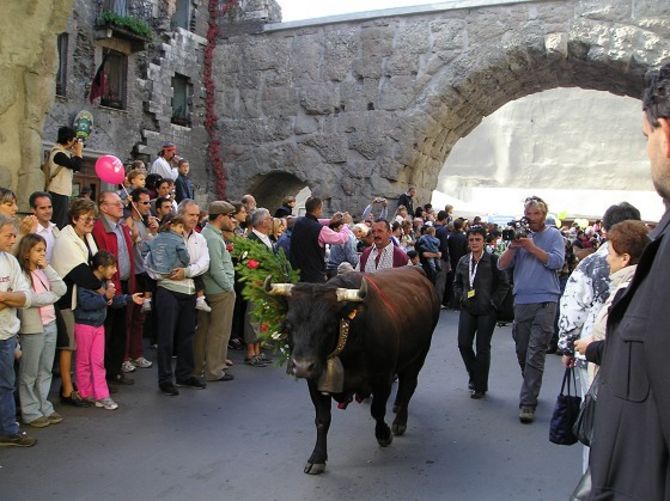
[(536, 261)]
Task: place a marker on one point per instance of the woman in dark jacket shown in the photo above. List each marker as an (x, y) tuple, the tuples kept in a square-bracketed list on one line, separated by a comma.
[(479, 288)]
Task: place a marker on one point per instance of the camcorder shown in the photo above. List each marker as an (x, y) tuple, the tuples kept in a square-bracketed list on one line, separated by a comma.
[(517, 229)]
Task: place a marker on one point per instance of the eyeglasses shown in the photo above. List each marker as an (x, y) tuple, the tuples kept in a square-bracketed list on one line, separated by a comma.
[(145, 203), (86, 220), (117, 204)]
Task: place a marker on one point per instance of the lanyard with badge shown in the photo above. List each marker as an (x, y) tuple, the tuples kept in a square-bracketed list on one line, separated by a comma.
[(472, 272)]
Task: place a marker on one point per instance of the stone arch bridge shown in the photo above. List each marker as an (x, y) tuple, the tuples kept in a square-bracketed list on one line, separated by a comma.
[(360, 106)]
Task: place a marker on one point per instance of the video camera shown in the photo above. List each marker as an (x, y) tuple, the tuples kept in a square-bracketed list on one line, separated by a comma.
[(516, 230)]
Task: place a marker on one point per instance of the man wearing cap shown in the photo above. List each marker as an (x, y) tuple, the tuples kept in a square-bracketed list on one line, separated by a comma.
[(162, 165), (213, 332)]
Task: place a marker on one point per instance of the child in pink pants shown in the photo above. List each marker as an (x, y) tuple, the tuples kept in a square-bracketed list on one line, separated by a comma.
[(89, 330)]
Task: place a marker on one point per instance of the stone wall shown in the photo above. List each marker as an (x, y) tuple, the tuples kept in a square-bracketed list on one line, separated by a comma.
[(28, 31), (359, 108)]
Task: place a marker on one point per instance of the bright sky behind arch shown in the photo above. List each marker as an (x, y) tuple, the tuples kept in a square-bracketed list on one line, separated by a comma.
[(293, 10)]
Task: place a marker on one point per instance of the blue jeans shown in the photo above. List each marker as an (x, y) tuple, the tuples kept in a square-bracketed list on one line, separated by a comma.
[(8, 424)]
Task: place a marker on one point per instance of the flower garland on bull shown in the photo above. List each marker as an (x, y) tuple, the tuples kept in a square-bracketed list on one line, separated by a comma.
[(254, 263)]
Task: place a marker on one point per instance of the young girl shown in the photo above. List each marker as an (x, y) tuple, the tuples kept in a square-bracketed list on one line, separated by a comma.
[(38, 333), (89, 330)]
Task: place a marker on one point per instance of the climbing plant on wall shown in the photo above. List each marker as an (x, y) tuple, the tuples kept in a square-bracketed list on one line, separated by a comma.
[(211, 118)]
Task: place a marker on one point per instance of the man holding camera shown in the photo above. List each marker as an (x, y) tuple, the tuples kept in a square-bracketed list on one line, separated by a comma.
[(536, 258), (65, 158)]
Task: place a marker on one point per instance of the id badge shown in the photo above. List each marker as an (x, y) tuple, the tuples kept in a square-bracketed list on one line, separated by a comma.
[(471, 293)]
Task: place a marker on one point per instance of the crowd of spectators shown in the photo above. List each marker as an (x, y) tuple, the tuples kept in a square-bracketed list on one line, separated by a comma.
[(89, 290)]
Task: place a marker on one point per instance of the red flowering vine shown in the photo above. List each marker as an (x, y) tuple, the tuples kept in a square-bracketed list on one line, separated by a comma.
[(211, 119)]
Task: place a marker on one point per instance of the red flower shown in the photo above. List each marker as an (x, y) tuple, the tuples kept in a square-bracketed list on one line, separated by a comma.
[(264, 327), (252, 264), (229, 247)]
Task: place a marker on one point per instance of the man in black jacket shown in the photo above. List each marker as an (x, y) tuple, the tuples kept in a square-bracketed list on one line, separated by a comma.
[(630, 453)]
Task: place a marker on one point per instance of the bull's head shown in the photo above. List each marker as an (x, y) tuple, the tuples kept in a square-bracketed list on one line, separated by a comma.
[(313, 321)]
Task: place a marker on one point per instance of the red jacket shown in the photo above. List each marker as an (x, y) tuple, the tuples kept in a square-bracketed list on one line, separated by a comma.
[(399, 257), (106, 239)]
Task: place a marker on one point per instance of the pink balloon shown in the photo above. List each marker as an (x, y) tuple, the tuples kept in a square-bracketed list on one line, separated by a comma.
[(110, 169)]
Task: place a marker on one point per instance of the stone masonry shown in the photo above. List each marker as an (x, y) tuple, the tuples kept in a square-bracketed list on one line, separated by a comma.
[(357, 108)]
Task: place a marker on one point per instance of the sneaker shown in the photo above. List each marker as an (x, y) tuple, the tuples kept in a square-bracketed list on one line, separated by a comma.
[(527, 415), (477, 394), (55, 418), (201, 304), (21, 439), (193, 382), (146, 306), (127, 367), (107, 404), (142, 363), (40, 422)]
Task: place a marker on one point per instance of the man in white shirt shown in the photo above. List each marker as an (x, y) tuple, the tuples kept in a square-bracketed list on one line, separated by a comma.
[(163, 164), (40, 204), (14, 293), (175, 299)]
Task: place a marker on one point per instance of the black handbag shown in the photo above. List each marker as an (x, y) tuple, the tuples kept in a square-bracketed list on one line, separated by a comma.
[(565, 411), (583, 428)]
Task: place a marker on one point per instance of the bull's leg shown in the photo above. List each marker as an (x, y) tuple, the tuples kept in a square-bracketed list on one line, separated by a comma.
[(406, 387), (380, 395), (317, 461)]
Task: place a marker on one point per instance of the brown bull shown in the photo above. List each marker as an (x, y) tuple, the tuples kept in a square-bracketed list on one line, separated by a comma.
[(352, 336)]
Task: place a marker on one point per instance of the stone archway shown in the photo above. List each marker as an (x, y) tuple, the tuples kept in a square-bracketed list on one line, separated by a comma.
[(453, 103), (364, 107), (271, 188)]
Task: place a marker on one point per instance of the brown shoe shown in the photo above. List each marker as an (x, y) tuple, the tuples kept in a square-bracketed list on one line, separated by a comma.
[(21, 439), (40, 422), (54, 418)]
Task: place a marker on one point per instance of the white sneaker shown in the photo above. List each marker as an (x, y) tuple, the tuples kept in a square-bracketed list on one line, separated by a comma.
[(142, 363), (107, 404), (201, 304), (127, 367), (146, 306)]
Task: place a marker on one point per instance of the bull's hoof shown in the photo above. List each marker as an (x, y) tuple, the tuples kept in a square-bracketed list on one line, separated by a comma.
[(398, 429), (385, 441), (315, 468)]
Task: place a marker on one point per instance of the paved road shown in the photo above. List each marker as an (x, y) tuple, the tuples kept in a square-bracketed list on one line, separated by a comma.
[(249, 439)]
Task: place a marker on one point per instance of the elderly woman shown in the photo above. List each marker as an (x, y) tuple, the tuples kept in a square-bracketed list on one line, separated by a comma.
[(627, 241), (73, 250)]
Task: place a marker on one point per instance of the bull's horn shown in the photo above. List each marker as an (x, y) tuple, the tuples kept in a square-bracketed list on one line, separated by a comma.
[(355, 295), (276, 289)]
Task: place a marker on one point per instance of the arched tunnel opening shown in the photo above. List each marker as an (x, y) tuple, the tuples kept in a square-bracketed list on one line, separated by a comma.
[(271, 189)]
